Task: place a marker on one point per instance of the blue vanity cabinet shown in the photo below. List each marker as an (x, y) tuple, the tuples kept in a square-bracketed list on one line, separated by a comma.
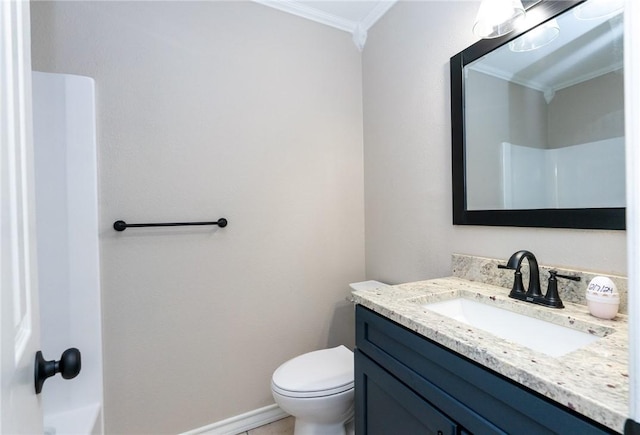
[(392, 407), (406, 384)]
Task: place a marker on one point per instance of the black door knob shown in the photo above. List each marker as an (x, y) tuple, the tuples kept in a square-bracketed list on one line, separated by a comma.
[(68, 366)]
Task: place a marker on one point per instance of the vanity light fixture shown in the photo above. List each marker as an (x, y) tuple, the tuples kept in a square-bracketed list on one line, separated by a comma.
[(594, 9), (497, 17), (537, 37)]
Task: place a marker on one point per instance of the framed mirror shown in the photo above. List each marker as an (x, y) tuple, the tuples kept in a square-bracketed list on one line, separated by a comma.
[(538, 121)]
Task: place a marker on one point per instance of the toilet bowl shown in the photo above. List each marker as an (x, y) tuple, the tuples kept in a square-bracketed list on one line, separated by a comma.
[(317, 390)]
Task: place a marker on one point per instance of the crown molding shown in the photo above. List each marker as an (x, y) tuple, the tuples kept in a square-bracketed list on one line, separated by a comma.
[(358, 29), (313, 14), (377, 12)]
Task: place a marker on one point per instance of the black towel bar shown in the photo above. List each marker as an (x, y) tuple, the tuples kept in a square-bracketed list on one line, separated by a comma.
[(122, 225)]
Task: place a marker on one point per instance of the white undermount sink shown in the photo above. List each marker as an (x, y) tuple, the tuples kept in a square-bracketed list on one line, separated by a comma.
[(539, 335)]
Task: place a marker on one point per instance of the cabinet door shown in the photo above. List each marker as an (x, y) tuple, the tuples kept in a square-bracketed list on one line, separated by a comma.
[(384, 405)]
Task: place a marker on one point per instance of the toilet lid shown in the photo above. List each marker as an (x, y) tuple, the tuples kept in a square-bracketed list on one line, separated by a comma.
[(315, 374)]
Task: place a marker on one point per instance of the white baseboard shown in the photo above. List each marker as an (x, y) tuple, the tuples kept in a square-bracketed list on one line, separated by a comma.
[(242, 423)]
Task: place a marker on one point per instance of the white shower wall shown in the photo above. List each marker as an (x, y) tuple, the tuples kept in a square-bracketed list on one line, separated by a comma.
[(579, 176), (589, 175), (68, 262), (525, 177)]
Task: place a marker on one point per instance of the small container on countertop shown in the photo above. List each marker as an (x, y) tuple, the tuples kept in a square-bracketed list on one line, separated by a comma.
[(603, 298)]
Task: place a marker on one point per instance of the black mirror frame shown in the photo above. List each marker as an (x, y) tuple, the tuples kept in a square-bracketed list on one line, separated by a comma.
[(612, 218)]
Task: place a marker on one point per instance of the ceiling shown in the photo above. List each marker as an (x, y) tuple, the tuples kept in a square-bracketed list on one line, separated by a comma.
[(352, 16), (583, 50)]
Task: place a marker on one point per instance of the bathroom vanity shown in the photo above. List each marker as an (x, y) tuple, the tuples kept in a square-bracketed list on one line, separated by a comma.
[(419, 371)]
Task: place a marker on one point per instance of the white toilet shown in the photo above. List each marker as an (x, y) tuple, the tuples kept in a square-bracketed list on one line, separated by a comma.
[(317, 389)]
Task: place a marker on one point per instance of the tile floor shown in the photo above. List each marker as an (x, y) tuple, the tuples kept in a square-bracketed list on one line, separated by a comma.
[(280, 427)]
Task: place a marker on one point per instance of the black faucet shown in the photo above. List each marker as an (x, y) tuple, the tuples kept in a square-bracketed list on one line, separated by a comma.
[(517, 291), (533, 293)]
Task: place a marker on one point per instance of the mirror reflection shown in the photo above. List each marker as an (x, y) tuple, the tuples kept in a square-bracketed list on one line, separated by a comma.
[(544, 116)]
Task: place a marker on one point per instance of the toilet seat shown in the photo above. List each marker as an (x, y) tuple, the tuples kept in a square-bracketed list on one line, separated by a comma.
[(315, 374)]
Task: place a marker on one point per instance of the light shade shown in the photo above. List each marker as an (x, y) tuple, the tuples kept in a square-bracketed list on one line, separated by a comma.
[(536, 37), (497, 17)]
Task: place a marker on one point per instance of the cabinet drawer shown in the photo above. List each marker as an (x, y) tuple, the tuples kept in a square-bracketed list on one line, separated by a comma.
[(480, 400)]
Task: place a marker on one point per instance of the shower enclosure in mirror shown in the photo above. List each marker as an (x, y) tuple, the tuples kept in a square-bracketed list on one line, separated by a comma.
[(538, 121)]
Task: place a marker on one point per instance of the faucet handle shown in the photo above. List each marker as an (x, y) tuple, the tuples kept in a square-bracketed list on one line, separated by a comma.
[(552, 299), (571, 277)]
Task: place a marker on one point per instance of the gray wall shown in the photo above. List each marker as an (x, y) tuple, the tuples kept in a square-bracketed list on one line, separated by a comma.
[(211, 109), (574, 119), (409, 235)]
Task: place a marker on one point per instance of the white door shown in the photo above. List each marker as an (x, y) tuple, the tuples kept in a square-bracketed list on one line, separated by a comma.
[(20, 410), (632, 135)]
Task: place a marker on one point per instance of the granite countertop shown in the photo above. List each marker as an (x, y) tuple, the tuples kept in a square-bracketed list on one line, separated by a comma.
[(592, 380)]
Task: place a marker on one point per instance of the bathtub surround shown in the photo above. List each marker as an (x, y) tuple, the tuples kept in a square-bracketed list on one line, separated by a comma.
[(64, 138), (210, 109)]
